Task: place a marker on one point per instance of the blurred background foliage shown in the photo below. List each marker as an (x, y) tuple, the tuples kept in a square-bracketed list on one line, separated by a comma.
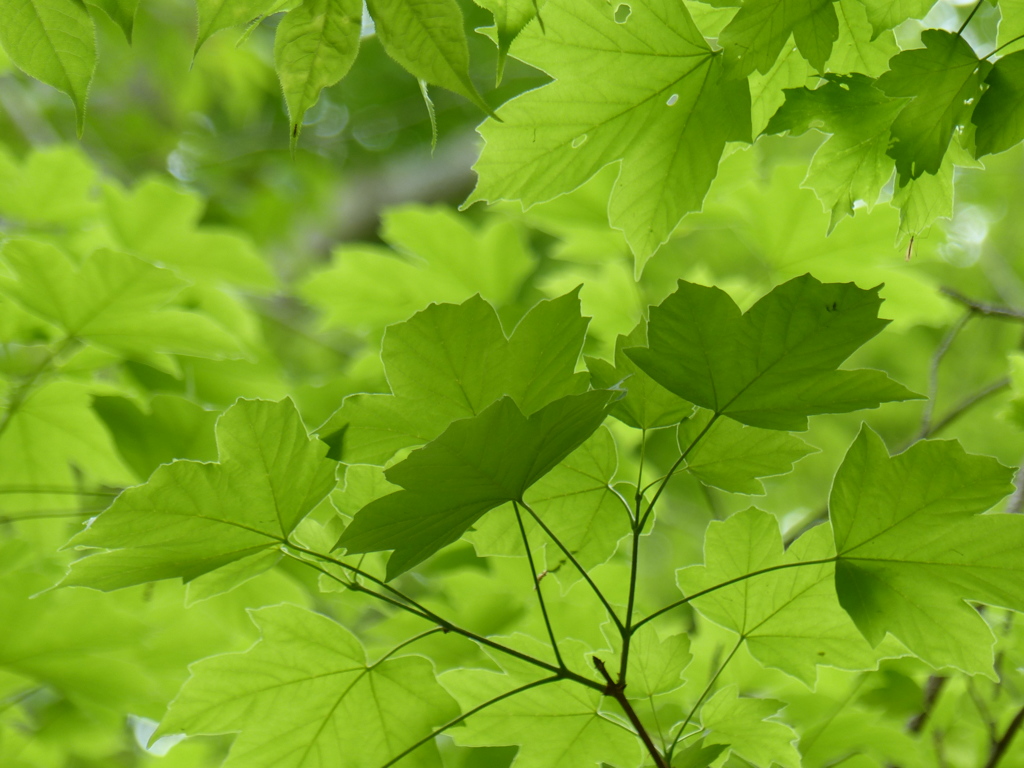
[(306, 259)]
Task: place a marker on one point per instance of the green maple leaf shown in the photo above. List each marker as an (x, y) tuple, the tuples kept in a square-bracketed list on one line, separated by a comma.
[(735, 457), (742, 724), (757, 33), (194, 517), (775, 365), (53, 41), (912, 546), (656, 666), (576, 501), (112, 300), (306, 696), (215, 15), (450, 362), (668, 128), (853, 164), (314, 47), (999, 115), (51, 186), (440, 258), (510, 17), (790, 618), (942, 82), (477, 464), (647, 404), (886, 14)]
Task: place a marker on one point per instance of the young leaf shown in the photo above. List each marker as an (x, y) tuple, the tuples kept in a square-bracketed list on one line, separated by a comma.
[(1000, 112), (477, 464), (656, 666), (853, 164), (449, 362), (913, 546), (53, 41), (742, 724), (790, 618), (314, 47), (510, 16), (113, 300), (755, 36), (668, 128), (735, 457), (775, 365), (215, 15), (886, 14), (647, 404), (306, 696), (427, 38), (121, 12), (943, 82), (193, 517)]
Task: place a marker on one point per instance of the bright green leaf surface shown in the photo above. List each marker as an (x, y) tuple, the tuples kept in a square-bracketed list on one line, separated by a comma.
[(192, 517), (510, 16), (647, 404), (755, 36), (51, 186), (668, 128), (912, 546), (742, 724), (476, 465), (1000, 112), (450, 362), (735, 457), (943, 82), (656, 666), (121, 12), (314, 47), (886, 14), (790, 618), (775, 365), (427, 38), (215, 15), (113, 300), (853, 165), (576, 501), (305, 696), (53, 41), (857, 49)]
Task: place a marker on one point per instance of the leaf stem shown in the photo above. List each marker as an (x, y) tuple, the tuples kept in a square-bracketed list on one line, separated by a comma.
[(970, 16), (933, 373), (583, 571), (728, 583), (465, 715), (703, 695), (618, 692), (1000, 747), (22, 392), (536, 586), (404, 643), (49, 514), (411, 606), (1007, 44)]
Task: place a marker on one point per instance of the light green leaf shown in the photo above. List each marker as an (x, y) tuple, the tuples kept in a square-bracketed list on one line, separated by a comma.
[(913, 547), (767, 91), (923, 200), (697, 755), (193, 517), (441, 258), (734, 457), (576, 501), (510, 16), (160, 223), (428, 39), (53, 41), (886, 14), (656, 666), (790, 618), (647, 404), (668, 128), (215, 15), (554, 726), (112, 300), (121, 12), (306, 696), (1011, 25), (314, 47), (775, 365), (857, 49), (51, 187), (742, 724), (1000, 112), (853, 165), (942, 82), (477, 464), (450, 362), (757, 33)]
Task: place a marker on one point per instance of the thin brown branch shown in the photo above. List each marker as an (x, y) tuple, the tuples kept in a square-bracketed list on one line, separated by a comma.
[(983, 307), (1001, 746), (618, 692)]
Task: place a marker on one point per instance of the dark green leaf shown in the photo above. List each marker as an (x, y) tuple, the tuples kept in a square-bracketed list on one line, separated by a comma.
[(1000, 112)]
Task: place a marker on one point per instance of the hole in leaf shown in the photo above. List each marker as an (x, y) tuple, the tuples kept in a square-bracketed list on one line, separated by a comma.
[(579, 141), (673, 99), (622, 13)]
